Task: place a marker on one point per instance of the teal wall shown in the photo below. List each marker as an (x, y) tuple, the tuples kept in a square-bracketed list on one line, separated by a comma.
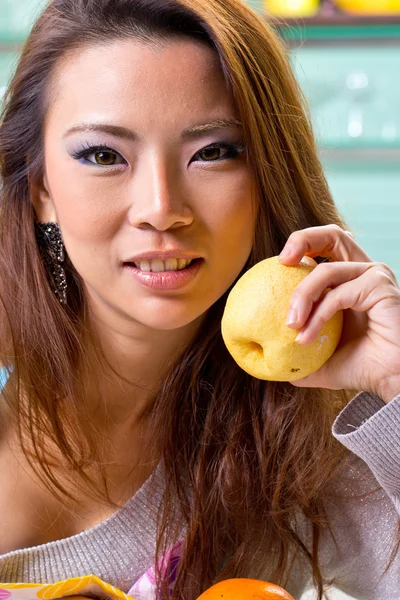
[(354, 95), (16, 17), (256, 4), (7, 60)]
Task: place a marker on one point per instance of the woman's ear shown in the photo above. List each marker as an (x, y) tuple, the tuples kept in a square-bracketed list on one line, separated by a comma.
[(42, 200)]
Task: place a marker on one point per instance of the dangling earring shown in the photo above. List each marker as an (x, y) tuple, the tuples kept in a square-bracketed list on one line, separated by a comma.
[(51, 247)]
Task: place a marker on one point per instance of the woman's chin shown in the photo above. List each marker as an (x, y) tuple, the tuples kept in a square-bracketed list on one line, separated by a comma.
[(172, 322), (165, 316)]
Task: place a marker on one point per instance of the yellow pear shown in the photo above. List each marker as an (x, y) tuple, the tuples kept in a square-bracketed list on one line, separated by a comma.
[(254, 324)]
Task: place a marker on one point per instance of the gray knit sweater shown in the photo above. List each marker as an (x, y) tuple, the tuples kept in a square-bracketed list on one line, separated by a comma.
[(122, 548)]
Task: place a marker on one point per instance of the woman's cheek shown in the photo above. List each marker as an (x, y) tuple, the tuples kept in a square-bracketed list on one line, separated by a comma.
[(86, 211), (234, 207)]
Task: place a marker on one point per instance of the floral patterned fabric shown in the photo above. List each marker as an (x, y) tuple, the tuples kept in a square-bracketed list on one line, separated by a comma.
[(91, 586), (145, 587)]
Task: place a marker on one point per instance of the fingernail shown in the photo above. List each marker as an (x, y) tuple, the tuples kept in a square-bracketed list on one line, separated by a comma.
[(299, 337), (292, 317)]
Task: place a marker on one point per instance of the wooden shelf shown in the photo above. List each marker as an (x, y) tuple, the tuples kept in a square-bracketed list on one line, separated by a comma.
[(337, 19), (336, 28)]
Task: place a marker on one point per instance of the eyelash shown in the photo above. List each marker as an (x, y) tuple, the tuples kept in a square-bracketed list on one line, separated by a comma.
[(233, 151)]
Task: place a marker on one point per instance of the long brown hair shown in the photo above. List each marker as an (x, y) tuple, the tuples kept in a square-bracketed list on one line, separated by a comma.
[(241, 456)]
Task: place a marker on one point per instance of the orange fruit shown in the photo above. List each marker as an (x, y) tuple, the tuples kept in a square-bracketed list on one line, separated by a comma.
[(245, 589)]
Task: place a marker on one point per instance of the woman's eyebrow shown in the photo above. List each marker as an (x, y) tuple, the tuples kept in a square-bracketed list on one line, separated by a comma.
[(205, 128), (129, 134)]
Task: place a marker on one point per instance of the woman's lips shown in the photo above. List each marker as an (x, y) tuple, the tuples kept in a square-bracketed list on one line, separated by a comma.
[(166, 280)]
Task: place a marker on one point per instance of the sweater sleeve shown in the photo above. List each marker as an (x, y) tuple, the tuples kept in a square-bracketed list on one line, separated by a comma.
[(370, 429), (362, 503)]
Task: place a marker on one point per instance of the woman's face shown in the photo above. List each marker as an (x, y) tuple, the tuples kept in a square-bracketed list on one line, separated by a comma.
[(143, 157)]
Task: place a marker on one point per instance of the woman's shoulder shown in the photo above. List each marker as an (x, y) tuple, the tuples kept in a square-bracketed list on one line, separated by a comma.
[(356, 548), (352, 480)]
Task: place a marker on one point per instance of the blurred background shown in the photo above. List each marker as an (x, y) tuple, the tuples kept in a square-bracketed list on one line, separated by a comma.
[(346, 55)]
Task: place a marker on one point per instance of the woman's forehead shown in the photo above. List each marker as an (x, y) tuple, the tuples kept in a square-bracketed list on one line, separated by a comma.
[(169, 79)]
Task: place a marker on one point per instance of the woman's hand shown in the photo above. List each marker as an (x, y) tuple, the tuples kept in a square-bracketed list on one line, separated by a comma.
[(368, 355)]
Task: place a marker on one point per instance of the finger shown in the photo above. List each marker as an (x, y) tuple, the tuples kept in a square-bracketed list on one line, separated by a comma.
[(315, 285), (319, 379), (329, 241), (333, 375), (359, 294)]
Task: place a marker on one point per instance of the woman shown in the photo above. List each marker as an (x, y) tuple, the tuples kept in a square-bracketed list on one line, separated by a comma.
[(151, 152)]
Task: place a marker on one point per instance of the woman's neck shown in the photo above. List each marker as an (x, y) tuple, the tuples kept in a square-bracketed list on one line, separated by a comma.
[(122, 379)]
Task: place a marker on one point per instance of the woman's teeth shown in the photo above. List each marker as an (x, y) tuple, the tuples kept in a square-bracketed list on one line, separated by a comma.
[(158, 266)]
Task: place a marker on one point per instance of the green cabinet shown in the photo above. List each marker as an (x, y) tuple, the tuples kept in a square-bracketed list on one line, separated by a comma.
[(16, 17), (354, 95), (256, 4), (7, 64)]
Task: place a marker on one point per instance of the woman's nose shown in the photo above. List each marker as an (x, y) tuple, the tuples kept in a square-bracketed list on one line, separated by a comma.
[(158, 200)]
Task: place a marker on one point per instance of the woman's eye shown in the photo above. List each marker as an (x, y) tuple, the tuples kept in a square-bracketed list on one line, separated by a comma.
[(99, 155), (216, 152), (104, 158)]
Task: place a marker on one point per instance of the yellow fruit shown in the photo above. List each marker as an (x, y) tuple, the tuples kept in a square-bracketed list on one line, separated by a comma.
[(254, 324), (245, 589), (291, 8), (370, 7)]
